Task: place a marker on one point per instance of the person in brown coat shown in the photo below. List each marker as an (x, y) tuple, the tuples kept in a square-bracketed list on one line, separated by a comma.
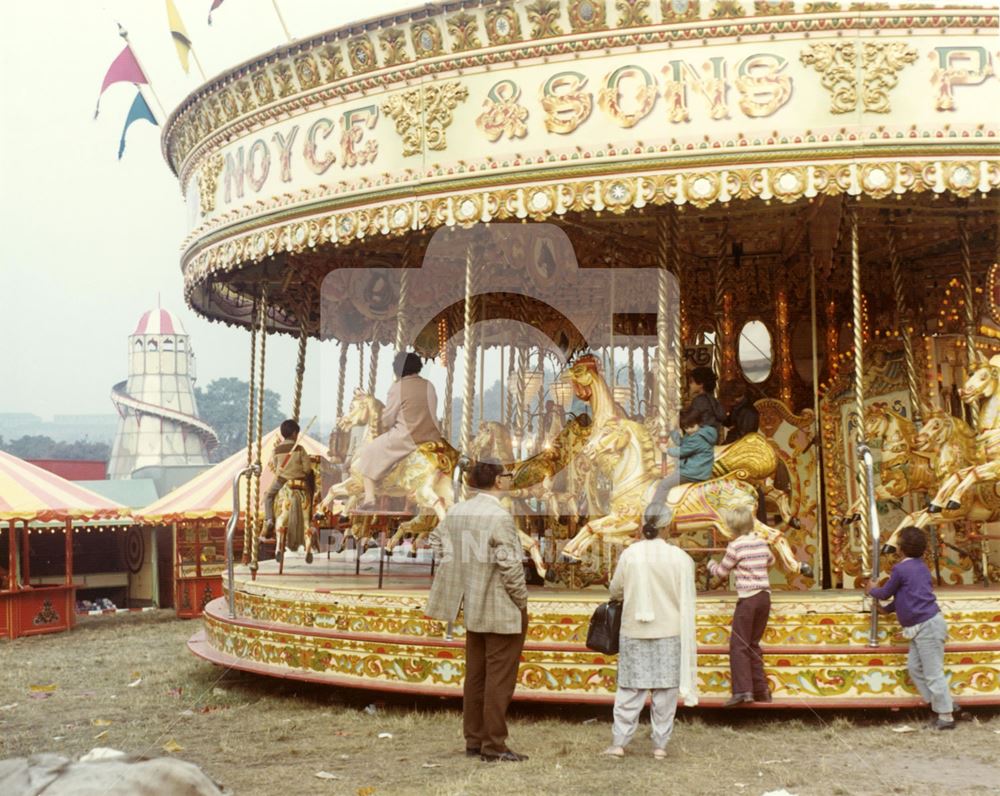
[(409, 419), (290, 462), (481, 573)]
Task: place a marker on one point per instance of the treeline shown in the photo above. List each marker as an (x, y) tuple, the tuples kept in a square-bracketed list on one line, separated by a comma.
[(37, 446)]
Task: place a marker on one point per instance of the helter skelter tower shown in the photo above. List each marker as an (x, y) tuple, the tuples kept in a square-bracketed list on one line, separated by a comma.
[(159, 418)]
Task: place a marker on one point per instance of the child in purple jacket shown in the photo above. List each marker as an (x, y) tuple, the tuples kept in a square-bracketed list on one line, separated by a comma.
[(917, 610)]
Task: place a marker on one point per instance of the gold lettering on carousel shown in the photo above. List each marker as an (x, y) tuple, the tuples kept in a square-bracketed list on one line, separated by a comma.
[(502, 114), (255, 177), (285, 145), (232, 175), (713, 86), (958, 66), (322, 127), (762, 87), (565, 103), (354, 150), (643, 96)]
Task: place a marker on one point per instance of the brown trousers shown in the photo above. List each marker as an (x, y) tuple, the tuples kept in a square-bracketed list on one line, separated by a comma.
[(491, 661), (745, 660)]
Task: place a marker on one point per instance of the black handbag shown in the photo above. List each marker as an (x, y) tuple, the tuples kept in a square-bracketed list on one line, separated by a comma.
[(605, 628)]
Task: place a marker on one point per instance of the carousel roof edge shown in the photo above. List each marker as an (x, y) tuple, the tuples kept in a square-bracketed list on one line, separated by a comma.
[(412, 14)]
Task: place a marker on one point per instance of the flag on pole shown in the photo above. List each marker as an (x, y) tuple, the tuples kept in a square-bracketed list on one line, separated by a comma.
[(125, 68), (215, 5), (139, 110), (179, 34)]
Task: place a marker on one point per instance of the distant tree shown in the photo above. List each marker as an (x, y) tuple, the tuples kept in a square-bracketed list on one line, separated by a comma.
[(37, 446), (223, 405)]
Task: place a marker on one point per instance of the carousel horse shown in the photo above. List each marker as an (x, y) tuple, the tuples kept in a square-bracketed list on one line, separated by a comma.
[(620, 449), (984, 383), (423, 476), (293, 515), (699, 507), (752, 458)]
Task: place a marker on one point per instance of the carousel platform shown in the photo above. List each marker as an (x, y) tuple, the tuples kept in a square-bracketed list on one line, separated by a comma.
[(328, 622)]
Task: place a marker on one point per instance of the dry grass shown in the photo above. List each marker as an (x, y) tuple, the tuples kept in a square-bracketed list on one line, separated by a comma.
[(261, 736)]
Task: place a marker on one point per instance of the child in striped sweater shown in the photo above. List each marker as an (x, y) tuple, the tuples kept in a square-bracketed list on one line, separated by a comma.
[(749, 557)]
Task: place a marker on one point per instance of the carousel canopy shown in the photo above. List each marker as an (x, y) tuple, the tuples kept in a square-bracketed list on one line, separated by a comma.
[(209, 496), (30, 493)]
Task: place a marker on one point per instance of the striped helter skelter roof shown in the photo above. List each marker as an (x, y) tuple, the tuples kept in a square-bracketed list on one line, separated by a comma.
[(159, 321), (28, 492)]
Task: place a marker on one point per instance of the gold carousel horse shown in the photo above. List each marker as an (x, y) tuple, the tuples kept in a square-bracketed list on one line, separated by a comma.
[(973, 492), (423, 477)]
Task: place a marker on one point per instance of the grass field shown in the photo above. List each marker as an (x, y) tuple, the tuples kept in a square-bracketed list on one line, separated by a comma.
[(128, 682)]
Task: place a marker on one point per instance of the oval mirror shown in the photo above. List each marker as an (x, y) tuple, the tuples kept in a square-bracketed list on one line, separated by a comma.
[(755, 351)]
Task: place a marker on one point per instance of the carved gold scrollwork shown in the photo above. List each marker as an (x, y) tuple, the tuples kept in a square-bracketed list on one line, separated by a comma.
[(544, 18), (333, 62), (282, 74), (423, 114), (462, 28), (427, 40), (394, 46), (632, 13), (836, 65), (208, 178), (306, 72), (727, 9), (361, 54), (882, 62), (772, 7)]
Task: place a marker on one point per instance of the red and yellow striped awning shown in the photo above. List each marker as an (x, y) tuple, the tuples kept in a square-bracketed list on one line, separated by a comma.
[(209, 496), (28, 492)]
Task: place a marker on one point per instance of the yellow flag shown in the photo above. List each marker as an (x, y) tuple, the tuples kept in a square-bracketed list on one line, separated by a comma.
[(179, 34)]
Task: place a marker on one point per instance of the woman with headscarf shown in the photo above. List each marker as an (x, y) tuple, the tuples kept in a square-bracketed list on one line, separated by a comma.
[(657, 649), (409, 419)]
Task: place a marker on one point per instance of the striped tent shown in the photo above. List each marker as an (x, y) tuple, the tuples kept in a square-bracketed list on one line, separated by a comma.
[(209, 496), (29, 493)]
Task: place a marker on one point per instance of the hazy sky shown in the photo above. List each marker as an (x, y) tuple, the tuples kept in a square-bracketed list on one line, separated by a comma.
[(89, 241)]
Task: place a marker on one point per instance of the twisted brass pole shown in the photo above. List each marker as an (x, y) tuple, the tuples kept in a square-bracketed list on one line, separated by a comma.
[(249, 520), (859, 376), (300, 372), (404, 290), (361, 365), (519, 398), (903, 314), (254, 507), (449, 391), (679, 319), (373, 365), (469, 360), (341, 380), (633, 398), (970, 311), (663, 326)]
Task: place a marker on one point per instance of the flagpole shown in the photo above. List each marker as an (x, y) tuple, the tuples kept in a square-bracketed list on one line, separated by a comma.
[(281, 19), (124, 34), (197, 63)]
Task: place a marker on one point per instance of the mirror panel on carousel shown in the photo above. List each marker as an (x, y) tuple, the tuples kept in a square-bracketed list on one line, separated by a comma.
[(756, 353)]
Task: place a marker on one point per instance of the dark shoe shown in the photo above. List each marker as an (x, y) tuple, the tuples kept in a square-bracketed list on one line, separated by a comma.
[(551, 575), (471, 752), (953, 505), (738, 699), (934, 508), (504, 757), (763, 697), (941, 724), (805, 570), (309, 556)]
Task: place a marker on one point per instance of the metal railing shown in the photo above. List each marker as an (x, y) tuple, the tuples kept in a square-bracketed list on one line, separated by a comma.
[(866, 456), (234, 520)]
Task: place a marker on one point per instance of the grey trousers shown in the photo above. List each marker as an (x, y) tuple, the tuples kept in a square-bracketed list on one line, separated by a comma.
[(628, 705), (926, 663)]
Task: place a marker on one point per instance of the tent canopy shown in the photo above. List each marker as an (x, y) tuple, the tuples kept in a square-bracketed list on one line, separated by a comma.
[(209, 496), (28, 492)]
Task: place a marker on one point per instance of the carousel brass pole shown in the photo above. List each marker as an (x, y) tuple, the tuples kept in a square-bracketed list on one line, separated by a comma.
[(249, 521), (300, 372), (522, 367), (449, 388), (540, 404), (903, 313), (469, 361), (341, 380), (361, 365), (680, 319), (663, 325), (502, 385), (255, 542), (970, 311), (404, 290), (482, 383), (633, 401), (859, 377), (373, 364), (817, 430), (720, 309)]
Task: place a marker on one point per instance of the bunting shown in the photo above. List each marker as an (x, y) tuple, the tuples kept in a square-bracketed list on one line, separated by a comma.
[(179, 34), (215, 5), (124, 69), (139, 110)]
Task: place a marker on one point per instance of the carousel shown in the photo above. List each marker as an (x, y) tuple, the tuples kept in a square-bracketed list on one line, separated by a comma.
[(565, 206)]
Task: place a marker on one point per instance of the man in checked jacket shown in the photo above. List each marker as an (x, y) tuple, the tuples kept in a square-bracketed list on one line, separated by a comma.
[(482, 575)]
